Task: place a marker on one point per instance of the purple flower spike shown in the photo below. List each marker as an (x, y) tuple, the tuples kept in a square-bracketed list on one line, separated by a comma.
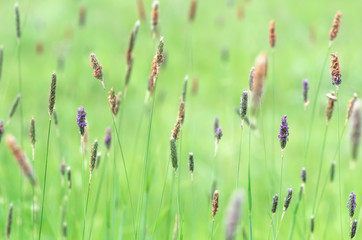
[(305, 91), (108, 138), (284, 132), (218, 133), (351, 205), (1, 129), (82, 123)]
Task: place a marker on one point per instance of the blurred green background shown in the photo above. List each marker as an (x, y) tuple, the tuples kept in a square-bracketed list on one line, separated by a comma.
[(194, 49)]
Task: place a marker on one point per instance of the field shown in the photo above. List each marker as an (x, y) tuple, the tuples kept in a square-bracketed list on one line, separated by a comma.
[(134, 191)]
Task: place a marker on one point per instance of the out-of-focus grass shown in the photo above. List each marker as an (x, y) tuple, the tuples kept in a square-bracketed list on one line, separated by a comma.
[(193, 49)]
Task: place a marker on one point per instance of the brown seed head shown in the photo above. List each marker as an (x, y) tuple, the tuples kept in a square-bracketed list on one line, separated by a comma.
[(350, 106), (335, 70), (98, 73), (330, 106), (257, 84), (112, 101), (335, 26), (154, 14), (192, 11), (141, 10), (82, 15), (272, 35), (21, 159), (10, 221), (32, 131), (215, 203)]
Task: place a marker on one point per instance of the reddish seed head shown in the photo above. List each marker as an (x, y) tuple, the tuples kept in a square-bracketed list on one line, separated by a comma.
[(215, 203), (272, 36), (335, 26)]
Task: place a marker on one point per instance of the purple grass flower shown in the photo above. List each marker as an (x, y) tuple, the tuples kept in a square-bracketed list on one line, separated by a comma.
[(1, 129), (82, 123), (218, 133), (353, 229), (305, 91), (243, 104), (108, 138), (284, 132), (351, 205)]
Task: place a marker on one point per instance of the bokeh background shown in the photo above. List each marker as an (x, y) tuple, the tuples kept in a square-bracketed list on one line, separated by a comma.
[(216, 49)]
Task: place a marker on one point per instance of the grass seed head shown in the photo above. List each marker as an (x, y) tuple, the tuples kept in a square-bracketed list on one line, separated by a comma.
[(335, 70), (154, 16), (14, 106), (10, 221), (258, 81), (305, 92), (275, 203), (69, 177), (312, 224), (330, 106), (32, 131), (350, 106), (353, 229), (173, 151), (243, 104), (17, 20), (21, 159), (284, 132), (98, 73), (192, 11), (53, 86), (93, 156), (351, 205), (108, 138), (355, 128), (191, 162), (1, 129), (335, 26), (272, 35), (81, 121), (215, 203), (82, 15), (233, 215)]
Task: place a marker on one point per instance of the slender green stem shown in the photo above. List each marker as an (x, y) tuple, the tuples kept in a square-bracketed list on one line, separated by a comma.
[(20, 92), (320, 170), (294, 218), (162, 194), (212, 229), (86, 208), (45, 178), (100, 187), (249, 190), (178, 186), (339, 169), (238, 168), (124, 166), (315, 104)]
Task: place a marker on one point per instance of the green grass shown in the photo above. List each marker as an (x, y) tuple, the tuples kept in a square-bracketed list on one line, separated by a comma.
[(193, 49)]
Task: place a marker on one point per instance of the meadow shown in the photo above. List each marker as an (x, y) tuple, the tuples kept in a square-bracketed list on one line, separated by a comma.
[(202, 62)]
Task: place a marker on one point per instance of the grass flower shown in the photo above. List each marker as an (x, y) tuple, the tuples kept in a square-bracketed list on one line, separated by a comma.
[(192, 11), (108, 138), (13, 108), (351, 205), (335, 70), (69, 177), (303, 176), (335, 26), (10, 221), (215, 204), (233, 215), (287, 200), (53, 86), (353, 229), (82, 15), (258, 81), (350, 107), (355, 128), (275, 204), (272, 35), (191, 164), (173, 151), (32, 134), (305, 92), (312, 224), (330, 106), (1, 129), (243, 106), (17, 21), (93, 159), (154, 16), (98, 73), (157, 61), (283, 133), (251, 78), (21, 159), (81, 121), (333, 169)]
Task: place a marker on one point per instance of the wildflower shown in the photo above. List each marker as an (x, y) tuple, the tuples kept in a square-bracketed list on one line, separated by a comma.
[(215, 204), (287, 200), (82, 123), (353, 229), (335, 26), (98, 73), (233, 215), (335, 70), (283, 133), (305, 92), (272, 35), (243, 106), (351, 205), (330, 107)]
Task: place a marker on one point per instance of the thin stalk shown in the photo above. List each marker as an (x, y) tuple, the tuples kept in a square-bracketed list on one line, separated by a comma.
[(280, 189), (86, 208), (45, 177), (273, 96), (100, 187), (162, 194), (294, 218), (115, 193), (315, 104), (124, 166), (178, 187), (145, 163), (20, 92), (249, 191), (320, 170), (238, 169), (212, 229), (339, 169)]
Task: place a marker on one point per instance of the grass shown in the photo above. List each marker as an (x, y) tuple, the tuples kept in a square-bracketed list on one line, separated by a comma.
[(192, 49)]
